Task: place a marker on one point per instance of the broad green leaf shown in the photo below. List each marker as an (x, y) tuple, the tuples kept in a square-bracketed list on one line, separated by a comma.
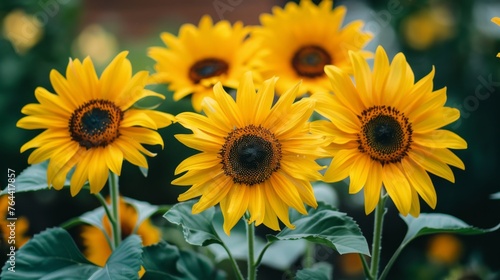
[(319, 271), (51, 254), (34, 178), (124, 263), (438, 223), (237, 244), (94, 218), (197, 228), (325, 225), (165, 261)]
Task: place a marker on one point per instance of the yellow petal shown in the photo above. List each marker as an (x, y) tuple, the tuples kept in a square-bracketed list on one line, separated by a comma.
[(256, 204), (287, 192), (420, 181), (216, 190), (440, 139), (398, 187), (246, 98), (344, 89), (135, 117), (359, 173), (199, 161), (114, 158), (115, 77), (143, 135), (81, 174), (415, 204), (277, 204), (340, 166), (437, 119), (432, 164), (228, 106), (363, 78), (233, 206), (380, 72), (373, 187), (98, 171)]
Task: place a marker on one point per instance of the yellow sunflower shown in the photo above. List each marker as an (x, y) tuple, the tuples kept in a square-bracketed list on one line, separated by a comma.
[(97, 248), (385, 131), (496, 20), (90, 124), (200, 57), (254, 157), (301, 39)]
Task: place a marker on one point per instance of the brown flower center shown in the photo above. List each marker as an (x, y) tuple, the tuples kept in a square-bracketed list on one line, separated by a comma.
[(250, 155), (310, 61), (95, 123), (385, 134), (206, 68)]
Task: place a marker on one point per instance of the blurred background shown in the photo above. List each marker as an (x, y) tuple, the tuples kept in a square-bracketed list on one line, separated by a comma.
[(457, 37)]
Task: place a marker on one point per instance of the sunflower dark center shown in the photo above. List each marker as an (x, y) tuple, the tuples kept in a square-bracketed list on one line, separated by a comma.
[(310, 61), (250, 155), (95, 123), (385, 134), (206, 68)]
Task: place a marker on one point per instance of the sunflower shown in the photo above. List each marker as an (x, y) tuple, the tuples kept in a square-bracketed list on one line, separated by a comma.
[(254, 157), (199, 57), (302, 38), (496, 20), (90, 124), (385, 131), (97, 248)]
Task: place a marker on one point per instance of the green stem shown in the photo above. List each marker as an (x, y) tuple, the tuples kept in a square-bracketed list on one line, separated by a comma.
[(391, 262), (252, 268), (366, 269), (115, 206), (236, 269), (104, 204), (377, 236), (309, 255), (261, 254)]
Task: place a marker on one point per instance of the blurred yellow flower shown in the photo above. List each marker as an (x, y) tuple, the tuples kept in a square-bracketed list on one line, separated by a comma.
[(97, 249), (385, 132), (444, 249), (254, 156), (300, 39), (23, 30), (20, 236), (427, 27), (90, 124), (96, 42), (201, 56)]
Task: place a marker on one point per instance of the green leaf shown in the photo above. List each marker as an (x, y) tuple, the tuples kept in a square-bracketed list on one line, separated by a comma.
[(165, 261), (34, 178), (197, 228), (325, 225), (51, 254), (237, 244), (438, 223), (124, 263), (319, 271)]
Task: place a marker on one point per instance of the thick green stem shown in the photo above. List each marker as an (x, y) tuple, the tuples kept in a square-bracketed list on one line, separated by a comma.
[(252, 268), (377, 237), (114, 193), (309, 255)]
